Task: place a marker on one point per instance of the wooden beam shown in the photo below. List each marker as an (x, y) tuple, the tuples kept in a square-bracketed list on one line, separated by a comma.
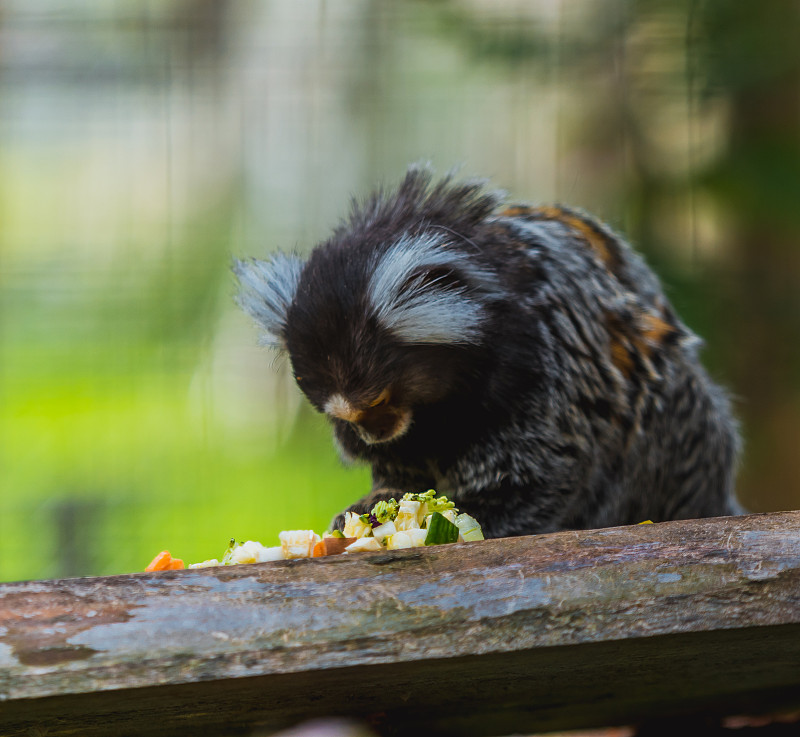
[(547, 632)]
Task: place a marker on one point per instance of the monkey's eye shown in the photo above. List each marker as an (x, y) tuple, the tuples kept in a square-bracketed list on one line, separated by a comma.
[(381, 399)]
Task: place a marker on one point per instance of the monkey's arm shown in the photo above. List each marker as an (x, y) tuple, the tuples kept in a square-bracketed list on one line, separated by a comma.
[(388, 481)]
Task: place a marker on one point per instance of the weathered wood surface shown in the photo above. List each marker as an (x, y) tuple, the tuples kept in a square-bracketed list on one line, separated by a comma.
[(555, 631)]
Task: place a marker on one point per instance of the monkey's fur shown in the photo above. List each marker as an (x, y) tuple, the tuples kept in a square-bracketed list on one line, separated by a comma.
[(524, 361)]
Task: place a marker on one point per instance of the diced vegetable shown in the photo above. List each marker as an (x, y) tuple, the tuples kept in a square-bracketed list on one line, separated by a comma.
[(363, 544), (382, 531), (298, 543), (332, 546), (428, 502), (385, 511), (417, 537), (205, 564), (407, 515), (414, 538), (160, 562), (242, 555), (267, 555), (249, 552), (440, 504), (414, 521), (468, 528), (164, 562), (354, 526), (399, 540), (424, 497), (440, 530)]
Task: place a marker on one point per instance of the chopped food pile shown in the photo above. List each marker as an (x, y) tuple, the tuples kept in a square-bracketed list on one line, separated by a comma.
[(416, 520)]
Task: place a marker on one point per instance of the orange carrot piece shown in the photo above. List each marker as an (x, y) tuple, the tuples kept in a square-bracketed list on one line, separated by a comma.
[(319, 549), (164, 562)]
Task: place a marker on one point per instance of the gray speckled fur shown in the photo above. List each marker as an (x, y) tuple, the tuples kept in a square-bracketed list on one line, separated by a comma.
[(580, 401), (268, 288)]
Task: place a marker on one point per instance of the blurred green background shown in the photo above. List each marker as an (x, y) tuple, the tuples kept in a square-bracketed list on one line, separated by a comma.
[(143, 144)]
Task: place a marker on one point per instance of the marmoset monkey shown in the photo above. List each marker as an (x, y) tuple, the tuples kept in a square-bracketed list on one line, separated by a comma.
[(522, 360)]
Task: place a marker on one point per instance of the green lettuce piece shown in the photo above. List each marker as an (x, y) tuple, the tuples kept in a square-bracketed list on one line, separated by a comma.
[(440, 504), (435, 503), (385, 511), (424, 497)]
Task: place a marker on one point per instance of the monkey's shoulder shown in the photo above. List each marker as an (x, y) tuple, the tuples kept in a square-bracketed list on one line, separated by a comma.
[(569, 235)]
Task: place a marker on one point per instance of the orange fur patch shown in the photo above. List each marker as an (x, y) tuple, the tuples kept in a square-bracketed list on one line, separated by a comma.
[(655, 329), (621, 357), (596, 240), (585, 229), (642, 337), (517, 211)]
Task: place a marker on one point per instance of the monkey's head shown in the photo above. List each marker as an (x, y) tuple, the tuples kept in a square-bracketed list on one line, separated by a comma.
[(374, 327)]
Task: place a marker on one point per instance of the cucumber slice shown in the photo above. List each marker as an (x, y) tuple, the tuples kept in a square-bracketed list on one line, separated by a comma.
[(469, 528), (440, 530)]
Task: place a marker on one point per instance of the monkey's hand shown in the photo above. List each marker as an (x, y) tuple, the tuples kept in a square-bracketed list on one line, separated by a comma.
[(365, 504)]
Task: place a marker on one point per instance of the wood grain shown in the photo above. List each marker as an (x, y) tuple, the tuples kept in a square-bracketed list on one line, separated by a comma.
[(553, 631)]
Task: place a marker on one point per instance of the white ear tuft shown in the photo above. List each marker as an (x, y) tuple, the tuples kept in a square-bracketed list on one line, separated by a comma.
[(267, 290), (419, 308)]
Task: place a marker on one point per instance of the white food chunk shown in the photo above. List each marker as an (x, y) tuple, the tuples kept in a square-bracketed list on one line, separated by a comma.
[(248, 552), (363, 544), (398, 540), (414, 538), (384, 530), (354, 527), (417, 537), (407, 518), (240, 554), (266, 555), (298, 543), (205, 563)]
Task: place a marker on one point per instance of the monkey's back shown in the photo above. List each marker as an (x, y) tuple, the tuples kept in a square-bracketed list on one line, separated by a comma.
[(618, 421)]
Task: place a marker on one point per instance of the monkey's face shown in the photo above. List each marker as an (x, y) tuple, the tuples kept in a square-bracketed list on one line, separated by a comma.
[(370, 381), (376, 421), (374, 328)]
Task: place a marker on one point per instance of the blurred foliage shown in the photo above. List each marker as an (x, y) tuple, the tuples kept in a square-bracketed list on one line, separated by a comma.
[(142, 145), (105, 455)]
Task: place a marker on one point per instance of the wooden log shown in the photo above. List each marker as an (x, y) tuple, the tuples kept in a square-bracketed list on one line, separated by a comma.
[(523, 634)]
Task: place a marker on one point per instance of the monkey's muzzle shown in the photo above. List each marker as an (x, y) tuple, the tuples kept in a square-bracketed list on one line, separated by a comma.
[(376, 424), (383, 426)]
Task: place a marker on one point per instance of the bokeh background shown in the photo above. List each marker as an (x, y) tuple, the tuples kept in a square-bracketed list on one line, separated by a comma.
[(143, 144)]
